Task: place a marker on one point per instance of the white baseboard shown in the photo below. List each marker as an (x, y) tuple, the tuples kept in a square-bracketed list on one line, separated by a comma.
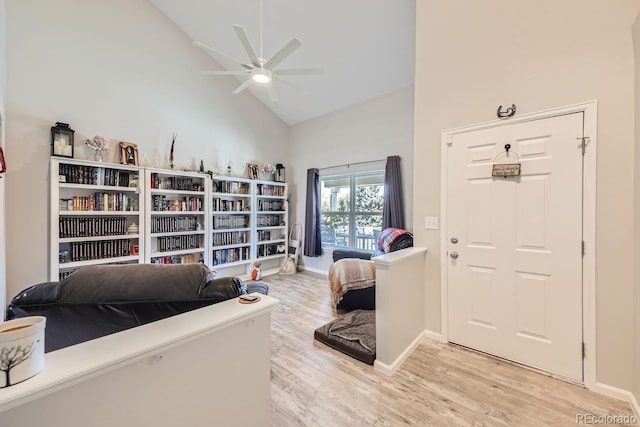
[(313, 270), (619, 394), (393, 367), (437, 336)]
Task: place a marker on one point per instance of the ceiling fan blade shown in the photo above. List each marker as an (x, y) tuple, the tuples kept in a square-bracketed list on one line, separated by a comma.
[(224, 73), (242, 35), (272, 93), (297, 71), (283, 53), (288, 83), (204, 46), (243, 86)]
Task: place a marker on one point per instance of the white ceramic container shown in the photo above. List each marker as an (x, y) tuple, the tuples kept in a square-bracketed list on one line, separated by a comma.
[(21, 349)]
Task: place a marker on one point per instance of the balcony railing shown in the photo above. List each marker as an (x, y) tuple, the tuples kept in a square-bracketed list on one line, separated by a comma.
[(364, 241)]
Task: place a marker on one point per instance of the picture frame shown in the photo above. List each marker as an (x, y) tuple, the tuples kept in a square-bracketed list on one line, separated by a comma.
[(253, 171), (129, 154)]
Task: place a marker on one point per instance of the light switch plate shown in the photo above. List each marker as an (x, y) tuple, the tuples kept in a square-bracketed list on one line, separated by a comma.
[(431, 222)]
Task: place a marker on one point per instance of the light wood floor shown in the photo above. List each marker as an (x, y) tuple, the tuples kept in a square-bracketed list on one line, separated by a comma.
[(438, 385)]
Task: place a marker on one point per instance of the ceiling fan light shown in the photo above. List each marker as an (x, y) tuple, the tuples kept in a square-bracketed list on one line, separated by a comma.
[(261, 76)]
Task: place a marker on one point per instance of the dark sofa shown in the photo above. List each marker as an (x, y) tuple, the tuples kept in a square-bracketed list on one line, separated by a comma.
[(390, 240), (99, 300)]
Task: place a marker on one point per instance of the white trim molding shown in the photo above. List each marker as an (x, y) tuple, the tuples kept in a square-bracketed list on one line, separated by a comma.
[(590, 112), (313, 270), (391, 368), (436, 336), (620, 394)]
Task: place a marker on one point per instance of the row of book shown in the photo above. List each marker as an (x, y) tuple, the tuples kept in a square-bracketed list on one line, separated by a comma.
[(270, 249), (270, 205), (264, 235), (67, 272), (231, 187), (182, 183), (225, 256), (178, 259), (269, 220), (230, 238), (270, 190), (229, 205), (91, 226), (167, 224), (231, 221), (101, 201), (160, 203), (84, 251), (178, 243), (91, 175)]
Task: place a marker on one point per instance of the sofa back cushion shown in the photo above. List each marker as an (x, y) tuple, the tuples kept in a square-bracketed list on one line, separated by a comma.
[(134, 282)]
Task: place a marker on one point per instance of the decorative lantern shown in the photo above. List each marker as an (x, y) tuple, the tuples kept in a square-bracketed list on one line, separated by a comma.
[(279, 172), (62, 140)]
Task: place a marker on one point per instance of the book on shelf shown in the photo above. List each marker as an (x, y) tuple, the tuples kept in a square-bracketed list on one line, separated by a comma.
[(70, 227)]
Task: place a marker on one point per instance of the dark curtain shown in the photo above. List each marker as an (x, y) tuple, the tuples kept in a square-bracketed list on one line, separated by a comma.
[(312, 236), (393, 208)]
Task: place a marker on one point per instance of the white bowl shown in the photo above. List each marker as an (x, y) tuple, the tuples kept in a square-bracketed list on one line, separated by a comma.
[(21, 349)]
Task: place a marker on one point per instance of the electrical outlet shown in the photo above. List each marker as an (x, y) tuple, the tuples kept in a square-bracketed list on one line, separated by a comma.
[(431, 222)]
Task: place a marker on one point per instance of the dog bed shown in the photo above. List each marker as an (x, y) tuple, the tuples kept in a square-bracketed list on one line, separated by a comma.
[(352, 333)]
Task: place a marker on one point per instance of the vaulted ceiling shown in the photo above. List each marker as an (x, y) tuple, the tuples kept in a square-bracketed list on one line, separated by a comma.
[(366, 47)]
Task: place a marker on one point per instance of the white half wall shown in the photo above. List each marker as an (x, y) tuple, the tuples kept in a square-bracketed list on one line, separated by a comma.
[(209, 366), (399, 306), (369, 131), (123, 70), (472, 57)]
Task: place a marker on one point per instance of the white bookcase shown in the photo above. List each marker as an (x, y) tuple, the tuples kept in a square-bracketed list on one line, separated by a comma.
[(248, 224), (104, 213), (95, 215), (175, 217), (271, 213), (232, 236)]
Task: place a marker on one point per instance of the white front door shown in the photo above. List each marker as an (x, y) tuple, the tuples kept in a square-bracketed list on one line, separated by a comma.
[(515, 288)]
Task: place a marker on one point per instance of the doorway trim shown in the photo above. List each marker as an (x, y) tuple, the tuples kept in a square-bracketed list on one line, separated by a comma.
[(590, 111)]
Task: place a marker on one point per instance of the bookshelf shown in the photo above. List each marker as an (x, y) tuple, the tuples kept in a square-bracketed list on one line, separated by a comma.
[(271, 215), (249, 223), (94, 216), (103, 213), (231, 224), (175, 216)]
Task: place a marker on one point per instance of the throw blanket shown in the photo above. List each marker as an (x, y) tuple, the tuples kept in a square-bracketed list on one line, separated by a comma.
[(358, 326), (350, 273)]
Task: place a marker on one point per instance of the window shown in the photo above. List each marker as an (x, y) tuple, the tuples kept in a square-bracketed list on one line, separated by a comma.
[(351, 214)]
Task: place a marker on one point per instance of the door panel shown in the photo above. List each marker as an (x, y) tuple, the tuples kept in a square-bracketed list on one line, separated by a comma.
[(516, 288)]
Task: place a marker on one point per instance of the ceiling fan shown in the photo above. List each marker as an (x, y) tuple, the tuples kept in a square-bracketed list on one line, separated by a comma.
[(261, 71)]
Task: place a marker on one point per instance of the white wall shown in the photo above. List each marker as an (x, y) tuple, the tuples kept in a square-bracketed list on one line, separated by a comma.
[(472, 57), (636, 215), (369, 131), (121, 69), (3, 93)]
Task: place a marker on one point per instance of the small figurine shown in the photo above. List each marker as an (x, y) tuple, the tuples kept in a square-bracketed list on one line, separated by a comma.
[(256, 274)]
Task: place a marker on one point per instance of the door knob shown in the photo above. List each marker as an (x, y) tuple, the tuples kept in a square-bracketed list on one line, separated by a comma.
[(453, 254)]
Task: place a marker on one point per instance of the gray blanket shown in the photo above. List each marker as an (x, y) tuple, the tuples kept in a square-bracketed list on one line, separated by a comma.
[(357, 326)]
